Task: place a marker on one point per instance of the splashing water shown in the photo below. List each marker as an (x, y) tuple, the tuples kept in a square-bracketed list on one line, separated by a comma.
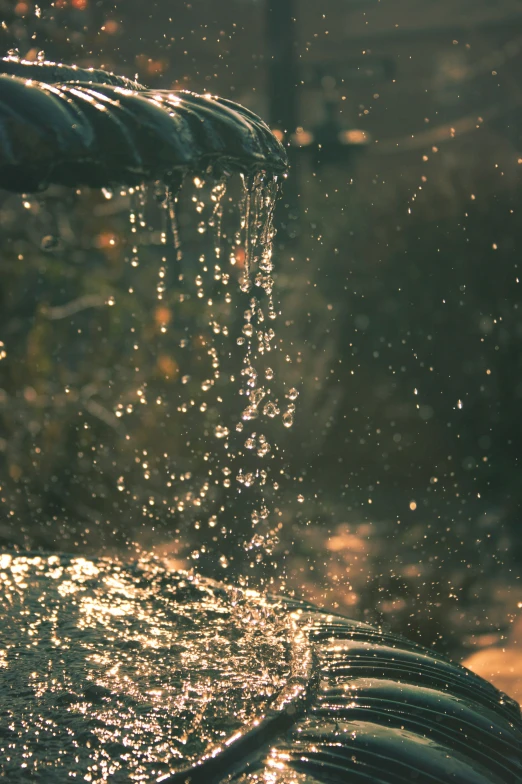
[(135, 693), (190, 359), (215, 340)]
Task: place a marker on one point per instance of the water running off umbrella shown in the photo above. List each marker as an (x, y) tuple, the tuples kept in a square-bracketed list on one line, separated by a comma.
[(231, 273)]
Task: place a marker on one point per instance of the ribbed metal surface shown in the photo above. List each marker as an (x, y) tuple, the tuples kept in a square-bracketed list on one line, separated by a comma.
[(105, 130), (154, 675), (388, 711)]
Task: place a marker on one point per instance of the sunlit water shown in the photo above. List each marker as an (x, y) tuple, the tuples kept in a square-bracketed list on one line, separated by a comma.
[(193, 326), (122, 672), (243, 407), (114, 673), (118, 672)]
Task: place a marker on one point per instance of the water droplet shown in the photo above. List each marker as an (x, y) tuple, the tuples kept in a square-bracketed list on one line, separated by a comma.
[(270, 410), (300, 498), (263, 447), (257, 541), (288, 419), (292, 394), (221, 431), (108, 193), (269, 374)]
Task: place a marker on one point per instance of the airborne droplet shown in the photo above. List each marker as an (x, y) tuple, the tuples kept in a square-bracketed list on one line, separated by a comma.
[(288, 419), (270, 410)]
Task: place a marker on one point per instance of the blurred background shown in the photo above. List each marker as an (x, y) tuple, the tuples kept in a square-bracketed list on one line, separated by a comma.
[(398, 274)]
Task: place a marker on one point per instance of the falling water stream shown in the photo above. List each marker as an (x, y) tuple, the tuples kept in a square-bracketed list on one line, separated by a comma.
[(225, 287), (221, 363), (235, 405)]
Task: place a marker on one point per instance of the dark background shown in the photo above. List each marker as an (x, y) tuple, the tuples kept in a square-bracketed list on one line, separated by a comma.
[(398, 261)]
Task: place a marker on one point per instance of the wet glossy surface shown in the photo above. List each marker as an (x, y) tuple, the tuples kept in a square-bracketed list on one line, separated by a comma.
[(117, 672), (103, 134)]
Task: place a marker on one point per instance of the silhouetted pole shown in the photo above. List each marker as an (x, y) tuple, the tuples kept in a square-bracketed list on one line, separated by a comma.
[(283, 84)]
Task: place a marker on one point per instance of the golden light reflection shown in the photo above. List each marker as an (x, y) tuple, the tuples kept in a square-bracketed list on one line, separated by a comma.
[(110, 670)]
